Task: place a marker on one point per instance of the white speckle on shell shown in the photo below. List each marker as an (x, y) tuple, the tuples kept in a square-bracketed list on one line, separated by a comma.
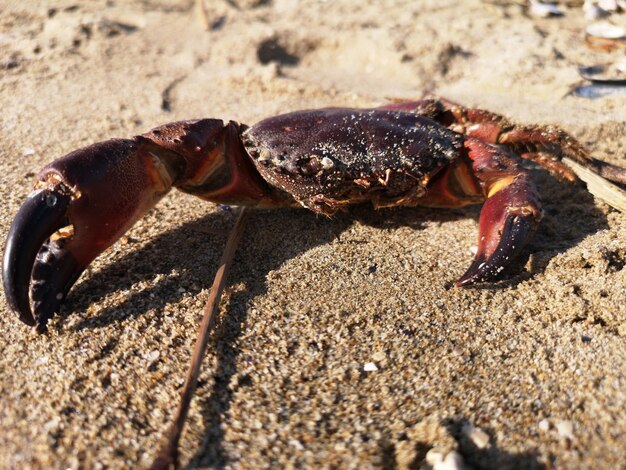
[(327, 163)]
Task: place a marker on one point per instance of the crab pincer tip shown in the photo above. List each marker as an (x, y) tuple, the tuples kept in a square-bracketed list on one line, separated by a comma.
[(43, 213), (515, 234)]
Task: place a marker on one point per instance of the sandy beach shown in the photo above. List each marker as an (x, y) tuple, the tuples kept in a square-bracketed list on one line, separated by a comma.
[(339, 343)]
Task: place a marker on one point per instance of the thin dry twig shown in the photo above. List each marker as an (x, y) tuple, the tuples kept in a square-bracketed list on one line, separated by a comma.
[(203, 15), (599, 186), (167, 457)]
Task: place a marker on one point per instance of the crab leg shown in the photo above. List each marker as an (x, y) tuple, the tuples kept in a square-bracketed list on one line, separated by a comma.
[(531, 142)]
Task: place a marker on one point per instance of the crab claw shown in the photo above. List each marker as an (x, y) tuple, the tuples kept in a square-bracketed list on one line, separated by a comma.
[(81, 205), (508, 221), (44, 212)]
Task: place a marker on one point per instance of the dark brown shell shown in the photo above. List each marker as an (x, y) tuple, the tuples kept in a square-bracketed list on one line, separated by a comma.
[(332, 157)]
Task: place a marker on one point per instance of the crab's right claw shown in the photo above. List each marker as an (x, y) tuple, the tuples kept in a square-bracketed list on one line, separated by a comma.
[(44, 212), (508, 221), (509, 217), (81, 205), (86, 200)]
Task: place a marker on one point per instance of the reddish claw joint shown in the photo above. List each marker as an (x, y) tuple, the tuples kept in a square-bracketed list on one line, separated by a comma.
[(428, 152)]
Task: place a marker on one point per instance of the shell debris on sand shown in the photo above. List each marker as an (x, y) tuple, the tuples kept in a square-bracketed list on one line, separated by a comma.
[(370, 367), (608, 74), (544, 9), (565, 428), (605, 36)]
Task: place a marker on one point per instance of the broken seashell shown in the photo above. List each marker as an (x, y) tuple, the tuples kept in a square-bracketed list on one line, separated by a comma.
[(605, 36), (593, 11), (543, 9), (596, 91), (610, 74), (605, 30), (609, 5)]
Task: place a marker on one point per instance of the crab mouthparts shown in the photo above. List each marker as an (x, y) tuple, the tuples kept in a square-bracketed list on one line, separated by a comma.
[(37, 271)]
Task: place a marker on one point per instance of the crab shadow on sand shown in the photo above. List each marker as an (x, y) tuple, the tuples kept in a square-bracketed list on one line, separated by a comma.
[(272, 238)]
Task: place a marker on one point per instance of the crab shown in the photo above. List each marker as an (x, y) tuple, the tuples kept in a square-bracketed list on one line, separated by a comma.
[(429, 152)]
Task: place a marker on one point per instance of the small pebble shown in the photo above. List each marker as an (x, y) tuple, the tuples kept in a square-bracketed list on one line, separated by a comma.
[(53, 423), (41, 361), (452, 460), (153, 355), (565, 428), (544, 425), (379, 356), (296, 444), (479, 437), (370, 367), (28, 151)]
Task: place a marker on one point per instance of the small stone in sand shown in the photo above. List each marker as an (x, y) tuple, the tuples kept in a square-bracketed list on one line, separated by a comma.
[(370, 367), (565, 428), (479, 437), (153, 355), (544, 425), (451, 461), (379, 356)]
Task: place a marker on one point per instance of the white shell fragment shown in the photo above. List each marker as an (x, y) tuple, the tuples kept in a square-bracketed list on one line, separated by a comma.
[(153, 355), (609, 5), (614, 74), (605, 30), (544, 10), (370, 367), (598, 91), (565, 428), (605, 36)]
